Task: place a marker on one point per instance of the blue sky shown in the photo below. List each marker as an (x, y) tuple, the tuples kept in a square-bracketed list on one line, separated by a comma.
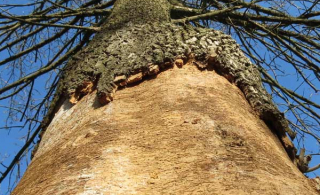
[(12, 140)]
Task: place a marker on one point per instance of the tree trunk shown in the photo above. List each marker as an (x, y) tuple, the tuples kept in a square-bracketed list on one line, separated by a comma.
[(184, 132), (181, 130)]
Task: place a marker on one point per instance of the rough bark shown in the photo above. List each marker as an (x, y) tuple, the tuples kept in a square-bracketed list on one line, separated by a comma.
[(138, 12), (138, 49), (184, 131), (139, 41)]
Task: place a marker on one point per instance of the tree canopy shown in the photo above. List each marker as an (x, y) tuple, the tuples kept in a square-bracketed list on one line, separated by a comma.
[(281, 38)]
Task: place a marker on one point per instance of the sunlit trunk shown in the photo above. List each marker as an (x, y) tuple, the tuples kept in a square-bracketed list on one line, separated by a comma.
[(184, 132), (173, 130)]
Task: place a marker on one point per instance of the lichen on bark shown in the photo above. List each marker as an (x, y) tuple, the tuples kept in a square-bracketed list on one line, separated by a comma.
[(139, 40)]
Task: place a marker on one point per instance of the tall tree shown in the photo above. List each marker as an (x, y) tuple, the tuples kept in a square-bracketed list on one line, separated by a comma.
[(181, 130)]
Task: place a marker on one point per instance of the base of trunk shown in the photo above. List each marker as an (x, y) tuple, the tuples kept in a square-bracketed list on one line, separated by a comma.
[(185, 132)]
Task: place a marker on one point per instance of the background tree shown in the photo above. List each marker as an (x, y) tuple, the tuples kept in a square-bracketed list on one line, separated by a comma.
[(280, 37)]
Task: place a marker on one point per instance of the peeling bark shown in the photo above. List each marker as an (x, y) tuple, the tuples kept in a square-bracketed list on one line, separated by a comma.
[(133, 51), (183, 132), (128, 49)]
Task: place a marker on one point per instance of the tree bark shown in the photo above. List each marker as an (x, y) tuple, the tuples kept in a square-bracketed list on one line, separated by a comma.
[(183, 130)]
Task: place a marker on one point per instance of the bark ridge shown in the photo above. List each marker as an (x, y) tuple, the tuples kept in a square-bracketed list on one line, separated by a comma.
[(117, 57)]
